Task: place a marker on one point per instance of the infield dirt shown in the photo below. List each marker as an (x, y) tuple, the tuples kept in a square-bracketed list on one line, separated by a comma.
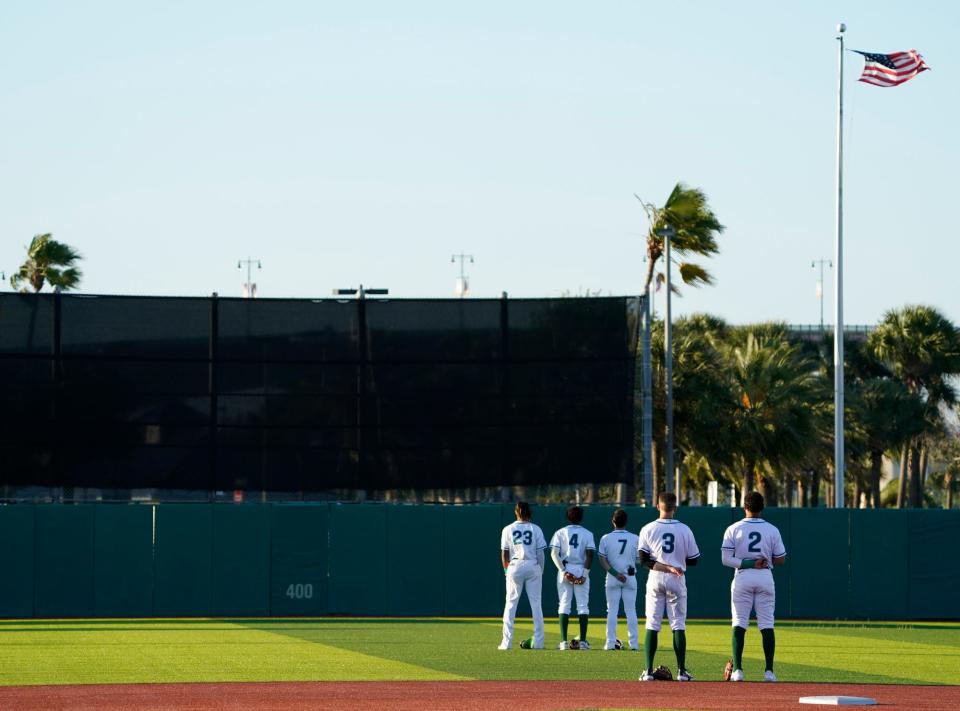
[(463, 696)]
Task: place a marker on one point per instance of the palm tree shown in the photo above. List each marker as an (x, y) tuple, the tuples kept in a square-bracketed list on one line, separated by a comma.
[(48, 261), (922, 348), (777, 393), (890, 415), (695, 227), (703, 398), (695, 232)]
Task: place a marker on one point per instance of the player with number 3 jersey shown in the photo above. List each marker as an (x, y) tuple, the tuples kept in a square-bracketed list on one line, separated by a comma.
[(667, 548), (752, 547)]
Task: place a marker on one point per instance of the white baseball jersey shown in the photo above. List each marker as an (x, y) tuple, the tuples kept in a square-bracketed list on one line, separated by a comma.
[(522, 540), (572, 543), (669, 541), (754, 538), (620, 549)]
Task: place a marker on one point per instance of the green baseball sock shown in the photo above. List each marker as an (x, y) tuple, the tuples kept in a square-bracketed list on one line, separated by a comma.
[(650, 647), (584, 619), (738, 635), (564, 622), (769, 646), (680, 648)]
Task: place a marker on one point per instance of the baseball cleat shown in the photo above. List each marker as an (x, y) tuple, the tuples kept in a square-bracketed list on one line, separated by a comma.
[(684, 675), (737, 675), (768, 675), (563, 646), (584, 644), (503, 646), (647, 676)]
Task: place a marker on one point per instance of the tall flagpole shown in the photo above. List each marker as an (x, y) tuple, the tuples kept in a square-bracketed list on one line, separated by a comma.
[(838, 458)]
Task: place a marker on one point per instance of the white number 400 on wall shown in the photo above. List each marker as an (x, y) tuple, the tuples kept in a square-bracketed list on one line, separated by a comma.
[(300, 591)]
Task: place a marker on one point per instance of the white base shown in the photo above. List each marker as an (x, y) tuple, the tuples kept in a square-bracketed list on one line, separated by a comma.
[(839, 700)]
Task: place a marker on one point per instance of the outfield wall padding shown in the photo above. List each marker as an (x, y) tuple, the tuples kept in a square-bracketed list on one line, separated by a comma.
[(123, 564), (64, 564), (298, 559), (183, 559), (17, 581), (192, 560)]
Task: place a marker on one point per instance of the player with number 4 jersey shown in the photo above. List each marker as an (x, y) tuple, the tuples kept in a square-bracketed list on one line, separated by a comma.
[(752, 547), (667, 548), (572, 549)]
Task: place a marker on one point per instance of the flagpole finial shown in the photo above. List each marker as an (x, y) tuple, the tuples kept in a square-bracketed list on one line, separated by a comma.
[(841, 28)]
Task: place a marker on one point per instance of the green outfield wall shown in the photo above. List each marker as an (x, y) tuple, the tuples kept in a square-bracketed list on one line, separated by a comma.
[(166, 560)]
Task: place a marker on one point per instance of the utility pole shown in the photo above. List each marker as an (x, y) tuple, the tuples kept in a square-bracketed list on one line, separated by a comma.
[(670, 484), (249, 288), (813, 265), (462, 285)]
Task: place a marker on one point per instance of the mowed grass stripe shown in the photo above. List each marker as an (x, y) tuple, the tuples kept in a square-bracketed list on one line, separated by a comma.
[(135, 653), (352, 649)]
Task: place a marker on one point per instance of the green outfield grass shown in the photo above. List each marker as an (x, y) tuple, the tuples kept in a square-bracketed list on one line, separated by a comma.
[(353, 649)]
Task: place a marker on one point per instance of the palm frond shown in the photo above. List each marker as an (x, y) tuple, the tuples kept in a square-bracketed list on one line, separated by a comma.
[(694, 275)]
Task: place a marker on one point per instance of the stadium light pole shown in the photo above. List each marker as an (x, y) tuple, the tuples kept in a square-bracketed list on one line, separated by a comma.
[(670, 483), (249, 288), (813, 265), (462, 286)]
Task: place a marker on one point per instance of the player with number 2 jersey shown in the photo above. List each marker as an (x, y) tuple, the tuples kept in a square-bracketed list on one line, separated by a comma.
[(752, 547)]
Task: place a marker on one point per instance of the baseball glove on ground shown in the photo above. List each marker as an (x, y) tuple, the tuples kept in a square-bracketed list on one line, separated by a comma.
[(574, 643), (661, 673), (728, 670)]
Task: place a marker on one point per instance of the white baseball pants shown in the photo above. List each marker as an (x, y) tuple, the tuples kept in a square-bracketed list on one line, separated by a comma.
[(755, 592), (626, 592), (568, 592), (523, 575), (666, 591)]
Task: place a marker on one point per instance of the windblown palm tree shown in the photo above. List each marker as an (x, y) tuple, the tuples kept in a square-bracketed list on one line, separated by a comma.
[(695, 227), (922, 348), (48, 261)]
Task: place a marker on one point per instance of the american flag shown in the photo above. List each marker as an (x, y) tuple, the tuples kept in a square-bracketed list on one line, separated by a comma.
[(891, 69)]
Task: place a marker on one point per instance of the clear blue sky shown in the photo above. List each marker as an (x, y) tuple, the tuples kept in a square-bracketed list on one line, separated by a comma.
[(367, 141)]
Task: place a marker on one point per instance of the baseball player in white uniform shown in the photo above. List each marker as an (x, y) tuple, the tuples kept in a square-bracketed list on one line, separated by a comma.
[(752, 547), (521, 552), (572, 549), (667, 547), (618, 556)]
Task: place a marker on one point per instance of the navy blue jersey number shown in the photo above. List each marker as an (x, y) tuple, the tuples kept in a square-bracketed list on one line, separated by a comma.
[(623, 544), (527, 537), (668, 542), (575, 540), (754, 546)]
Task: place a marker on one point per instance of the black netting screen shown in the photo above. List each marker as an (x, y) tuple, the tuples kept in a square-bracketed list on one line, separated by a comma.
[(312, 395)]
